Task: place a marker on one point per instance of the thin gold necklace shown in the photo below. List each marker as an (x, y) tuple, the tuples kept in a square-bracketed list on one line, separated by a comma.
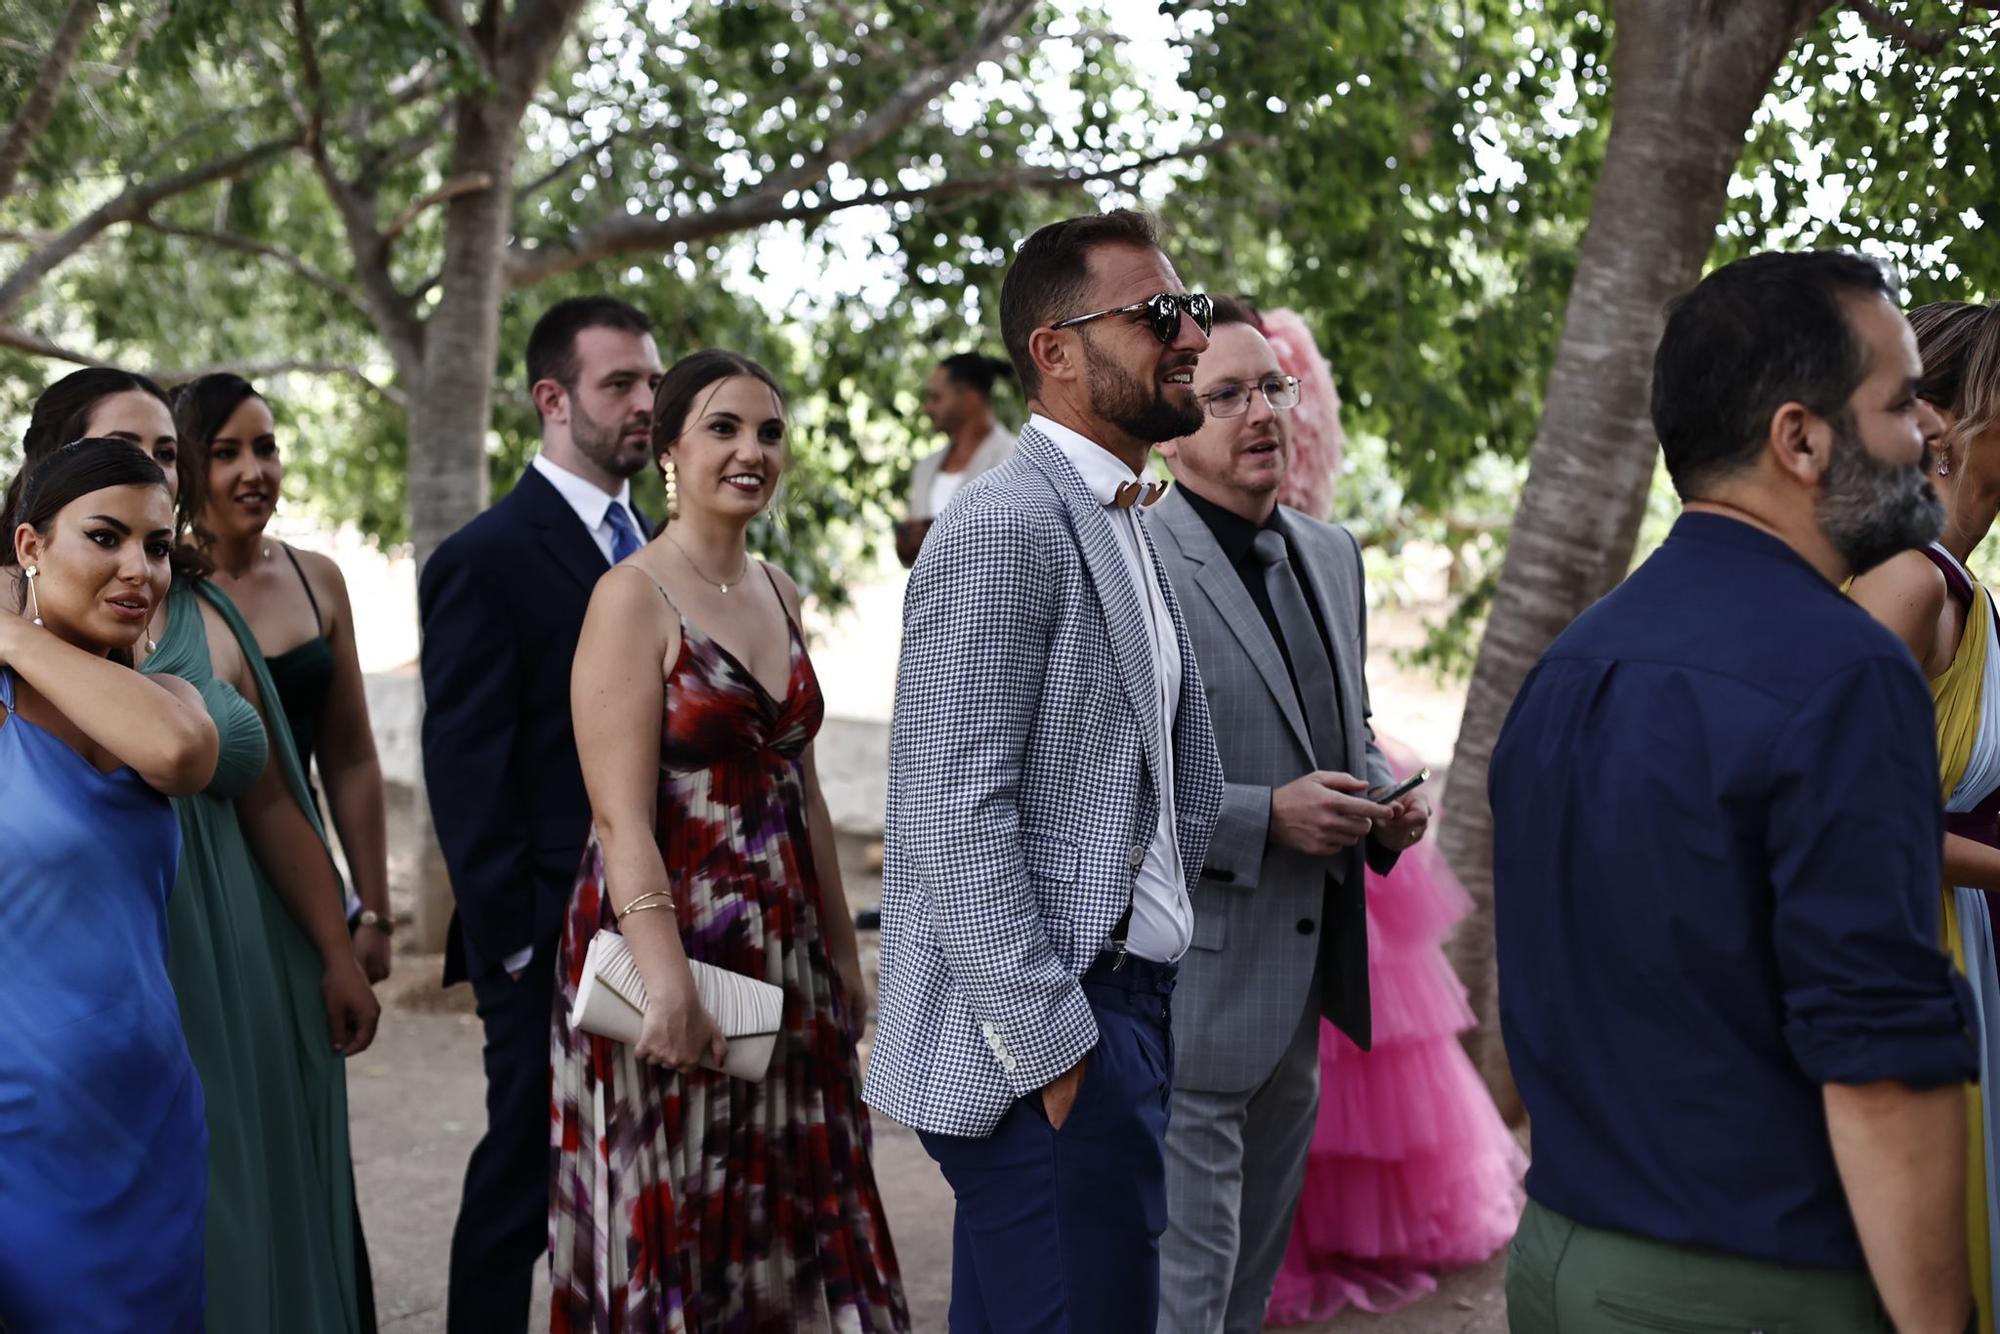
[(703, 574)]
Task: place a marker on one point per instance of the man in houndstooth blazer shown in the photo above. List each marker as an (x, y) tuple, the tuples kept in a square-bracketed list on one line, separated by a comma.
[(1053, 786), (1281, 931)]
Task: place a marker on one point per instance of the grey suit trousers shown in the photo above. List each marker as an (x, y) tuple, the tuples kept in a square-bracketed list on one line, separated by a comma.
[(1235, 1165)]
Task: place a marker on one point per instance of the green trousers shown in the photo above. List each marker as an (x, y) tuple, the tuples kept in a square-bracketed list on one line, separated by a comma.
[(1565, 1278)]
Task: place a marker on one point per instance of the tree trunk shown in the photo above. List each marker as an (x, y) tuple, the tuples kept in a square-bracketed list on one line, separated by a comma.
[(1687, 76), (451, 406), (451, 409)]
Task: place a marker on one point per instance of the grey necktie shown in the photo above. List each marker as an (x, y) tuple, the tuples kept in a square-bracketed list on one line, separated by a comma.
[(1312, 670)]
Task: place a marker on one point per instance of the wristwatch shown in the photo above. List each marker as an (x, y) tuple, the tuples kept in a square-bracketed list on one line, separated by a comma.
[(380, 921)]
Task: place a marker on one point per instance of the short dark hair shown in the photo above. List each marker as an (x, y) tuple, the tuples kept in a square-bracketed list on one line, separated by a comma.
[(688, 377), (1236, 310), (1749, 338), (976, 371), (552, 342), (61, 414), (202, 407), (1051, 272), (63, 475)]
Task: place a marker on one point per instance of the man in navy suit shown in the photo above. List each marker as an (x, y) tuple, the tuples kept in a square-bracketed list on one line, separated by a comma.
[(502, 602)]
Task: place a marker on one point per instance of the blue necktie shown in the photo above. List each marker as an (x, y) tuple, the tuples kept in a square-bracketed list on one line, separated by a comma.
[(624, 537)]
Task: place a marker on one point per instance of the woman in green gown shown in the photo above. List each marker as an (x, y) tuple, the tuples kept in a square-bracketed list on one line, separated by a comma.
[(270, 995)]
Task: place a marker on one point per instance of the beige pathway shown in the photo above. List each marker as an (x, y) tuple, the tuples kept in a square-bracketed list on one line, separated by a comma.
[(417, 1110)]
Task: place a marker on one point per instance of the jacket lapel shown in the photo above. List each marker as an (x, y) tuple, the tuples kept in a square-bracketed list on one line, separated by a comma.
[(1112, 581), (1219, 583), (561, 534)]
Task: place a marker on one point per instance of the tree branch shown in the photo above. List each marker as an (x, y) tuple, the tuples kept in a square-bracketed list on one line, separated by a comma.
[(254, 369), (875, 126), (355, 205), (134, 202), (1888, 25), (40, 104), (23, 341), (562, 168), (469, 184), (621, 234), (527, 45), (451, 14), (232, 241)]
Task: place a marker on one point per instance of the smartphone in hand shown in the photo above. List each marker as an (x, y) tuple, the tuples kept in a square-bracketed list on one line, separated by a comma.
[(1382, 796)]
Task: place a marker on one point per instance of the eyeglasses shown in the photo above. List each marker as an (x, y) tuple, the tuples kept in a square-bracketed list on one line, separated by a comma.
[(1233, 399), (1164, 309)]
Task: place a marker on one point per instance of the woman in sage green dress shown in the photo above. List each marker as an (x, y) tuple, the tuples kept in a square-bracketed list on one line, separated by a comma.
[(266, 1023)]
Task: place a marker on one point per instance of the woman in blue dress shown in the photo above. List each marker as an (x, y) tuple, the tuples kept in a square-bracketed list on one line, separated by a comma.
[(103, 1149)]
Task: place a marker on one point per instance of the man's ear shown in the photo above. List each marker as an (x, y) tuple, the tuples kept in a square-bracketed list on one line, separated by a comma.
[(1800, 443), (551, 399), (1055, 356)]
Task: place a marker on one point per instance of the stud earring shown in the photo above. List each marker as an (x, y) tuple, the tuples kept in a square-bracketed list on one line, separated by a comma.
[(34, 606)]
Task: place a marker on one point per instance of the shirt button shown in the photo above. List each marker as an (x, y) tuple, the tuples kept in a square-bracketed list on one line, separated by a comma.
[(1138, 858), (1305, 926)]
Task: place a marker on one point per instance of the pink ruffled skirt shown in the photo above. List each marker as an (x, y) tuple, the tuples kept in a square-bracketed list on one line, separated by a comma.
[(1411, 1170)]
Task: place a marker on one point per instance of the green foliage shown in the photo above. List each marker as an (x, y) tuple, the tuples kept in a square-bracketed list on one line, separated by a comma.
[(1414, 179)]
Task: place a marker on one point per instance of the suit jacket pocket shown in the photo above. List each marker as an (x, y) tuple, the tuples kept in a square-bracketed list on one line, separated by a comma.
[(1051, 858), (1211, 925)]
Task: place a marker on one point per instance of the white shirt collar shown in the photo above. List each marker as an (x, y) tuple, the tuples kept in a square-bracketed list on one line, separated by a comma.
[(1101, 470), (585, 497)]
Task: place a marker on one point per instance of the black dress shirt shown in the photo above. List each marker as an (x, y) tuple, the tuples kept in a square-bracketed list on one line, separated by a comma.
[(1235, 534), (1716, 838)]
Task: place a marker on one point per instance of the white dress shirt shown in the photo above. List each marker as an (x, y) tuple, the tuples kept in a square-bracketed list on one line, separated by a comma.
[(1162, 918), (593, 508), (590, 502)]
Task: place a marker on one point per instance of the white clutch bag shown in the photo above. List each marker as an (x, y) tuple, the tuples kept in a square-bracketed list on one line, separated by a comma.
[(611, 1002)]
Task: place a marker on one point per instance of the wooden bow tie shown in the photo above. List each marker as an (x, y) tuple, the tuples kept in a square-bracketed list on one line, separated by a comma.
[(1143, 493)]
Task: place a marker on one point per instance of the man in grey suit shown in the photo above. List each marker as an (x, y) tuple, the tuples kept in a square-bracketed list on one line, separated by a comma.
[(1274, 606), (1053, 782)]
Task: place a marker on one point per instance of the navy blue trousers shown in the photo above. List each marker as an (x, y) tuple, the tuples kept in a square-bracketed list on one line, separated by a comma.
[(1058, 1231)]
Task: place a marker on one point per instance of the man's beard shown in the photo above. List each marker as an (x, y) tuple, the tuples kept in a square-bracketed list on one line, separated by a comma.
[(602, 444), (1137, 407), (1871, 510)]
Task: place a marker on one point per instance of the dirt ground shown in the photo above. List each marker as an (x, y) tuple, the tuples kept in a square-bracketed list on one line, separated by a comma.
[(417, 1106)]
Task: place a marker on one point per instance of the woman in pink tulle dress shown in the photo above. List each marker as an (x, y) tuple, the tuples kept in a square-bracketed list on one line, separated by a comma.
[(1411, 1170)]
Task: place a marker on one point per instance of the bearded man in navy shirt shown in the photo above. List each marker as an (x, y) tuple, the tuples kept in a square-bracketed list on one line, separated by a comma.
[(1717, 827)]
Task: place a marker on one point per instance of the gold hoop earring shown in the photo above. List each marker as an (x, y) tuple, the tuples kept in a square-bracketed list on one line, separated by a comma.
[(671, 484), (34, 604)]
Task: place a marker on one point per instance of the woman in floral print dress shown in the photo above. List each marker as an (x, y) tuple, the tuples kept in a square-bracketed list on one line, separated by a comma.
[(684, 1200)]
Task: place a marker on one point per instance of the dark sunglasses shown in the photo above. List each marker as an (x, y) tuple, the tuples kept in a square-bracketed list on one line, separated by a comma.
[(1164, 310)]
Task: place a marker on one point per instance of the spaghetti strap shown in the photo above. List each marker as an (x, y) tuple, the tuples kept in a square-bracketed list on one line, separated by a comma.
[(783, 605), (305, 583), (679, 615)]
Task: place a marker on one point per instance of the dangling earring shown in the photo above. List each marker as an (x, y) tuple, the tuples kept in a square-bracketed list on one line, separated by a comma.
[(1944, 465), (34, 606), (672, 486)]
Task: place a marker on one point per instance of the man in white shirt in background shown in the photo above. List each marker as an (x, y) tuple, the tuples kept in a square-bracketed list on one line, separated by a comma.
[(502, 603), (958, 398)]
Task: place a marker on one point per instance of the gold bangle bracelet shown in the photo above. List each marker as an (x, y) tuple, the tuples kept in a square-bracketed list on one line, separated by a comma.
[(656, 899)]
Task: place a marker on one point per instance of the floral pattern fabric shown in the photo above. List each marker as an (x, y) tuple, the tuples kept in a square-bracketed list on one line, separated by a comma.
[(697, 1203)]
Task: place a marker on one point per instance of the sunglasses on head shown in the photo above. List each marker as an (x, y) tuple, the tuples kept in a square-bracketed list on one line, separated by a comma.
[(1163, 311)]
